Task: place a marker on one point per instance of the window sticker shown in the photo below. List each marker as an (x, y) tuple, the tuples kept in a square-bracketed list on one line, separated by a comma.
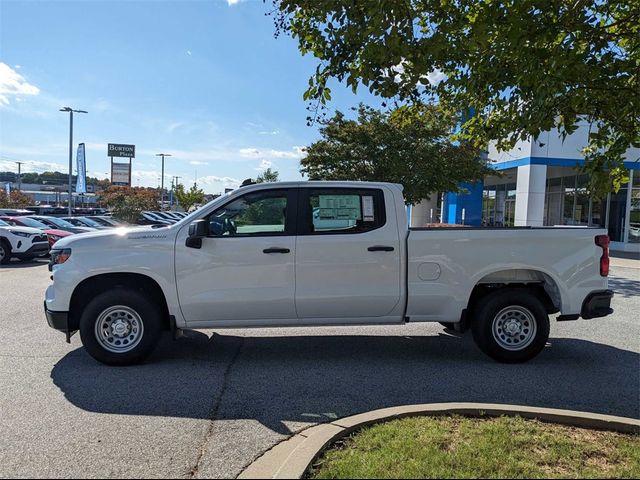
[(367, 209), (339, 207)]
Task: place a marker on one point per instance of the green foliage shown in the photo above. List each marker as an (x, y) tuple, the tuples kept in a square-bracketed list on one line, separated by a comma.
[(457, 447), (519, 67), (188, 198), (409, 145), (268, 176), (15, 199), (128, 203)]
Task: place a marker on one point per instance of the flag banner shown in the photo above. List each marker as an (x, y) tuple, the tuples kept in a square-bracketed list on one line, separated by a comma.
[(81, 183), (7, 189)]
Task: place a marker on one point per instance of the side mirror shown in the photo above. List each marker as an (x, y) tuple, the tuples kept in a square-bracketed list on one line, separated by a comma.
[(197, 231)]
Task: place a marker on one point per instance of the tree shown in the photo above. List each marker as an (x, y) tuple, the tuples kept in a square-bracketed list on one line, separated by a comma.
[(15, 199), (189, 198), (409, 145), (128, 203), (268, 176), (519, 67)]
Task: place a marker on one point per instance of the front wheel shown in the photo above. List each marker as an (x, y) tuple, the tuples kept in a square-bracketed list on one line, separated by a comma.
[(120, 327), (5, 252), (511, 326)]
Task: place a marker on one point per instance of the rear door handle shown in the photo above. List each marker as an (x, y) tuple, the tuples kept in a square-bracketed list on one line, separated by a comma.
[(276, 250), (380, 248)]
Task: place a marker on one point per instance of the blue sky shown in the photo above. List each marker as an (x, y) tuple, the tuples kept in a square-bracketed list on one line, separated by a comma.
[(203, 80)]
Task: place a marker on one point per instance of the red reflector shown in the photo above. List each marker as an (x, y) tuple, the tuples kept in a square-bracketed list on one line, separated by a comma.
[(603, 242)]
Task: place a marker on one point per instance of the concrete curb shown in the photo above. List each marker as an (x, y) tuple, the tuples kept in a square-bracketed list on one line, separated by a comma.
[(291, 458)]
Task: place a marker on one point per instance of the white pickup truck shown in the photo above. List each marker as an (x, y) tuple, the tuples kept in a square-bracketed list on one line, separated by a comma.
[(322, 253)]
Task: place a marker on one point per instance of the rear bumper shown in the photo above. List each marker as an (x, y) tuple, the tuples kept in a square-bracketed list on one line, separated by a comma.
[(597, 304)]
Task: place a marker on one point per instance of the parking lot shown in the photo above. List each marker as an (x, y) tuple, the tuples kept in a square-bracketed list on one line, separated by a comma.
[(208, 404)]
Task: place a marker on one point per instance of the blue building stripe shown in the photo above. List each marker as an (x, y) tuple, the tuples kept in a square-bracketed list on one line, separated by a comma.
[(551, 162)]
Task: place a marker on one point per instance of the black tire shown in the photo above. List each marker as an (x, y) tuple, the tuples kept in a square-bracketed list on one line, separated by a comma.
[(149, 314), (448, 325), (5, 252), (528, 313)]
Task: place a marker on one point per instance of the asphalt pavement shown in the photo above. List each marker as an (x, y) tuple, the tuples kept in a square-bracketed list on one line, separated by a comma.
[(210, 403)]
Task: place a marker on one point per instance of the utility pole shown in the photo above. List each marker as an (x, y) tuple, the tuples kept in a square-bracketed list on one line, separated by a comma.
[(162, 178), (71, 112), (19, 177)]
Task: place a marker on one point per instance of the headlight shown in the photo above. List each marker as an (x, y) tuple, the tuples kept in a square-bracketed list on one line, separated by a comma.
[(20, 234), (59, 256)]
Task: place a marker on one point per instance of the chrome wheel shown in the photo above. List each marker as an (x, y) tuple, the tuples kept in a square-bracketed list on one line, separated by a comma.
[(119, 329), (514, 328)]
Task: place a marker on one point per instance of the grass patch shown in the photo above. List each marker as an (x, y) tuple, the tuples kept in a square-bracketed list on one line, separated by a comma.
[(461, 447)]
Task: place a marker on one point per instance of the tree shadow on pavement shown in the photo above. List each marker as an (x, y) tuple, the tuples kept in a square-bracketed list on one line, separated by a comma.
[(625, 287), (307, 379)]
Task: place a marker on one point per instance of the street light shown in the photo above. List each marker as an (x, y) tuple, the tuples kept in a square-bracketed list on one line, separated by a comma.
[(71, 112), (162, 178)]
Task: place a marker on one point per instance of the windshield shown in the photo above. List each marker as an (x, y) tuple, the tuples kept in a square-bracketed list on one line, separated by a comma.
[(3, 224), (59, 222), (30, 222), (90, 222)]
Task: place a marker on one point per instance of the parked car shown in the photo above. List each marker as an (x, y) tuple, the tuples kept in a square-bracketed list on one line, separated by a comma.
[(147, 218), (55, 222), (11, 212), (85, 222), (23, 243), (258, 258), (53, 234), (48, 210), (106, 221)]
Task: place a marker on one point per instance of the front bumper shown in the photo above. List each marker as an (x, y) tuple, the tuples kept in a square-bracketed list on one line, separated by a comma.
[(597, 304), (35, 250), (60, 321)]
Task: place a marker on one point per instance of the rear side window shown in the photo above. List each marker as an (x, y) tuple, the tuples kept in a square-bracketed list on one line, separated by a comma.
[(341, 210)]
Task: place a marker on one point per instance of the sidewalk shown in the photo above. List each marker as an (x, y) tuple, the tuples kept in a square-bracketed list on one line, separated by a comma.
[(625, 259)]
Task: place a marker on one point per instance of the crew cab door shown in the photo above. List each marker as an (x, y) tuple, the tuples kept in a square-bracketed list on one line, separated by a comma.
[(348, 255), (244, 269)]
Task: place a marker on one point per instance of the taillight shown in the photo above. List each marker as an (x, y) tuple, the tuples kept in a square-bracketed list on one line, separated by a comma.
[(603, 242)]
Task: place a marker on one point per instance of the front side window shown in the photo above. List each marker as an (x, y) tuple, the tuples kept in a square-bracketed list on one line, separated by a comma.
[(343, 210), (256, 213)]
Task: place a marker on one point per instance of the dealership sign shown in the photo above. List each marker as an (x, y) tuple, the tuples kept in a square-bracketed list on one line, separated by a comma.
[(120, 150), (120, 174)]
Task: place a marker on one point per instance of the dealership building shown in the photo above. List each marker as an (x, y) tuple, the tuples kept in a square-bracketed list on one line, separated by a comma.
[(540, 184)]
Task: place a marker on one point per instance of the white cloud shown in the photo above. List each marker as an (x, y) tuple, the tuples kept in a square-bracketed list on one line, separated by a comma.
[(269, 132), (197, 162), (264, 164), (189, 52), (295, 152), (12, 84), (174, 126), (232, 2), (33, 166), (436, 77)]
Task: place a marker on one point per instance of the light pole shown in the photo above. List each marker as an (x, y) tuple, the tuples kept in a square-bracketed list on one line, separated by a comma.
[(71, 112), (162, 178), (19, 175)]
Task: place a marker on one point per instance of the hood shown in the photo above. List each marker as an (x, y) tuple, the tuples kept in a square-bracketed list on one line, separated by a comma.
[(32, 231), (96, 237), (57, 233)]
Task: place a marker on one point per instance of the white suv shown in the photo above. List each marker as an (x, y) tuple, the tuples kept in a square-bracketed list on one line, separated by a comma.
[(21, 242)]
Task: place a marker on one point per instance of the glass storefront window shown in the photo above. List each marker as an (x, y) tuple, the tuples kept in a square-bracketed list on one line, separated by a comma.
[(634, 214), (617, 214)]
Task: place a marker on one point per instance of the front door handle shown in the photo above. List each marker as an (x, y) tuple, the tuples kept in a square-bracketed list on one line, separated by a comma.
[(380, 248), (276, 250)]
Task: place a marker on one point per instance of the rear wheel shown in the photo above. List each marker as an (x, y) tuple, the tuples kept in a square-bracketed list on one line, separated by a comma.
[(511, 325), (120, 327), (5, 252)]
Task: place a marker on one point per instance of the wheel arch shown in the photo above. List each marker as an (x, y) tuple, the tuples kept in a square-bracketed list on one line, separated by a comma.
[(540, 283), (96, 284)]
